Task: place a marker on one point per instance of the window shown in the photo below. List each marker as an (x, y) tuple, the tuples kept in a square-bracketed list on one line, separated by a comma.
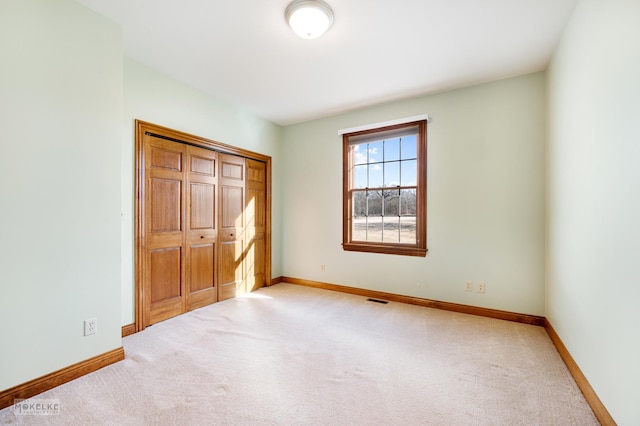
[(384, 189)]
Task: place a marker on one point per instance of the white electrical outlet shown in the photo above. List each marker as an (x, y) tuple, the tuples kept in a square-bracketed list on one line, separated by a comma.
[(322, 268), (90, 326), (468, 286), (481, 287)]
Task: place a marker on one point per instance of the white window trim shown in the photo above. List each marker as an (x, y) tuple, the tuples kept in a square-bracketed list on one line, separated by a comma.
[(385, 124)]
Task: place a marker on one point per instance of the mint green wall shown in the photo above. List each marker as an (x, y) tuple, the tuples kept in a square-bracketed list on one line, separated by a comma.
[(593, 199), (485, 199), (67, 104), (156, 98), (60, 115)]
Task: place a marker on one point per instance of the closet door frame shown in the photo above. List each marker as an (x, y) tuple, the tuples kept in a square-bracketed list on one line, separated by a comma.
[(142, 128)]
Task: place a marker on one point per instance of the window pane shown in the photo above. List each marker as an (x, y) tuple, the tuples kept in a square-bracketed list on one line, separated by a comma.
[(408, 229), (359, 203), (392, 149), (392, 174), (408, 202), (390, 233), (375, 175), (391, 201), (359, 153), (374, 203), (359, 231), (409, 147), (374, 229), (375, 152), (408, 173), (360, 176)]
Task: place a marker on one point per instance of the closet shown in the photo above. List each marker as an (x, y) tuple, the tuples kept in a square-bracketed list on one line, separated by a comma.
[(202, 222)]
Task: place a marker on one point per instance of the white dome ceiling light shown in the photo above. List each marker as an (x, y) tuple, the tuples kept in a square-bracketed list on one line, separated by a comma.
[(309, 18)]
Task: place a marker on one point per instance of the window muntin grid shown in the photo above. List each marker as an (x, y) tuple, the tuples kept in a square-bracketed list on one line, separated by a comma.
[(384, 190)]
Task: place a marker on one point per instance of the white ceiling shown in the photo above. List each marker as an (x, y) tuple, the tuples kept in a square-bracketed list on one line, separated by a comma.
[(243, 52)]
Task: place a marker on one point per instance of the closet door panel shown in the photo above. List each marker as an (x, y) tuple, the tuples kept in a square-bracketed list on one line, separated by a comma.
[(166, 277), (231, 232), (201, 238), (164, 256), (255, 235), (165, 268), (202, 206), (231, 269), (202, 271), (232, 207), (165, 195)]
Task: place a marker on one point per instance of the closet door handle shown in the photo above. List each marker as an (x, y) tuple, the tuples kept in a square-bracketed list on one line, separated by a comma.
[(231, 235), (201, 236)]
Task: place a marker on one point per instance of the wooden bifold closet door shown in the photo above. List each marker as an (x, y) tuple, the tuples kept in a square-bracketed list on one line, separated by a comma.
[(242, 225), (202, 227), (180, 203)]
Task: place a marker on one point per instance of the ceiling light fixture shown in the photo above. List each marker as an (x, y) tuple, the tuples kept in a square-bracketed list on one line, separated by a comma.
[(309, 18)]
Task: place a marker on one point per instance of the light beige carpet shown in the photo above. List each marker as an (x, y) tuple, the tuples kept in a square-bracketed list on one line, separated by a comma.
[(290, 355)]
